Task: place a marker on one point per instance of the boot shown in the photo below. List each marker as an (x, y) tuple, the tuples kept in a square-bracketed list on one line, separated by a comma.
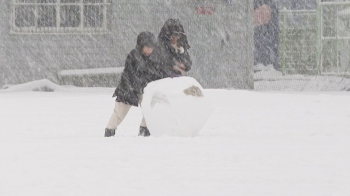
[(144, 132), (109, 132)]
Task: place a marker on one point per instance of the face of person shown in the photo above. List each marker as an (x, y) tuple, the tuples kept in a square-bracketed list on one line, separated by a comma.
[(147, 51), (174, 39)]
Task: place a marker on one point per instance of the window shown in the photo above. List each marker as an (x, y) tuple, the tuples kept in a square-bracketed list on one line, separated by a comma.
[(59, 16)]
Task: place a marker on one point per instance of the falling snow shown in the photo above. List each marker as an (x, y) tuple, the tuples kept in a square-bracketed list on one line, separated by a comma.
[(273, 70)]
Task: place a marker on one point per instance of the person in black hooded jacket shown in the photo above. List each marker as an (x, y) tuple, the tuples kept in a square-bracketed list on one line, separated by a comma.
[(138, 71), (171, 55)]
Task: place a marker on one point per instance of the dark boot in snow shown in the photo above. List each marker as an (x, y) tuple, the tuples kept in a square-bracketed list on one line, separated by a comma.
[(144, 132), (109, 132)]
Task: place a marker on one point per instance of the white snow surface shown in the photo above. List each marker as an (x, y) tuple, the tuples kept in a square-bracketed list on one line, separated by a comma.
[(175, 107), (267, 78), (255, 143), (95, 71)]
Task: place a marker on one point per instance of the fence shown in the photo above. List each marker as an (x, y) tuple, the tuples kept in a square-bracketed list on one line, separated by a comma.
[(334, 30), (298, 41), (316, 41)]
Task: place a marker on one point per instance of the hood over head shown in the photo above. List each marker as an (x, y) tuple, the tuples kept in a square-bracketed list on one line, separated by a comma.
[(173, 27), (146, 39)]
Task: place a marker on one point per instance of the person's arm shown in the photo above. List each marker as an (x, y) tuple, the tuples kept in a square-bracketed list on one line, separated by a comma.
[(131, 72), (186, 60), (124, 75), (159, 61), (179, 67), (184, 63)]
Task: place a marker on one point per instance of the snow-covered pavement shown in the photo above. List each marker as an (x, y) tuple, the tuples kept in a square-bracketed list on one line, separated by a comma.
[(255, 143), (267, 78)]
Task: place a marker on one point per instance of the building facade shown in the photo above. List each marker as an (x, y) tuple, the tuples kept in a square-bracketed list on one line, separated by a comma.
[(40, 38)]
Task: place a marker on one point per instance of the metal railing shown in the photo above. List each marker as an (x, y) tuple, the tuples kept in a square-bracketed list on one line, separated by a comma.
[(298, 41), (334, 35), (316, 41)]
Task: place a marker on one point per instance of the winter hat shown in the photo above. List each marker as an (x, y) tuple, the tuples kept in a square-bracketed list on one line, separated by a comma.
[(146, 39)]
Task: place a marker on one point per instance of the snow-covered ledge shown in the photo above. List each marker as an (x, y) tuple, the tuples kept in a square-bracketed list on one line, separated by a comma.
[(98, 77), (96, 71)]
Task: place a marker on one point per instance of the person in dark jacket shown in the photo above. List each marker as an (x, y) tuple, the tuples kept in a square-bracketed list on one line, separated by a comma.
[(138, 71), (171, 55), (266, 36)]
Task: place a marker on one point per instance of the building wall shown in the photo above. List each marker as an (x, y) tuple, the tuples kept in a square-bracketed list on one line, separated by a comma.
[(221, 42), (28, 57)]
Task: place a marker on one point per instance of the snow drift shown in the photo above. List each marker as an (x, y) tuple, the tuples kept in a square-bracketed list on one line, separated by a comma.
[(43, 85)]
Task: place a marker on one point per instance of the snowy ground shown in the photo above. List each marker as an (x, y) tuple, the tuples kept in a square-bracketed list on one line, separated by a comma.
[(255, 143), (268, 79)]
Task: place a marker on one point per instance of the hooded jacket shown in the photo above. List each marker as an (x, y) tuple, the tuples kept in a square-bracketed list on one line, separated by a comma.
[(167, 55), (138, 71)]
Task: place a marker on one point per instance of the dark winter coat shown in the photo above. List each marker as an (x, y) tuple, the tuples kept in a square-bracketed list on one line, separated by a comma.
[(166, 56), (266, 37), (138, 71)]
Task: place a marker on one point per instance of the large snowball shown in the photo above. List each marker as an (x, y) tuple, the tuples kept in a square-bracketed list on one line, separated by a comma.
[(175, 107)]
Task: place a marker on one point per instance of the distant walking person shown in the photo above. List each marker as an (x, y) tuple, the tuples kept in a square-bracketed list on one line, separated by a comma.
[(266, 36)]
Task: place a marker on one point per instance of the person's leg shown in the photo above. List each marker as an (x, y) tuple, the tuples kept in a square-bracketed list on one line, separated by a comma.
[(119, 113), (261, 46), (266, 50), (143, 122), (275, 53), (143, 131)]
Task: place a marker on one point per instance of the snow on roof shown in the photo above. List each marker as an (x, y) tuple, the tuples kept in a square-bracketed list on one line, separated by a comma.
[(111, 70)]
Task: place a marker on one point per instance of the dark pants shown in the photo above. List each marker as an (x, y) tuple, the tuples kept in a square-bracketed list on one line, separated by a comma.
[(266, 43)]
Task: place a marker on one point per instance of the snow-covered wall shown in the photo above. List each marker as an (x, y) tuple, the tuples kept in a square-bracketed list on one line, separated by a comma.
[(219, 32)]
